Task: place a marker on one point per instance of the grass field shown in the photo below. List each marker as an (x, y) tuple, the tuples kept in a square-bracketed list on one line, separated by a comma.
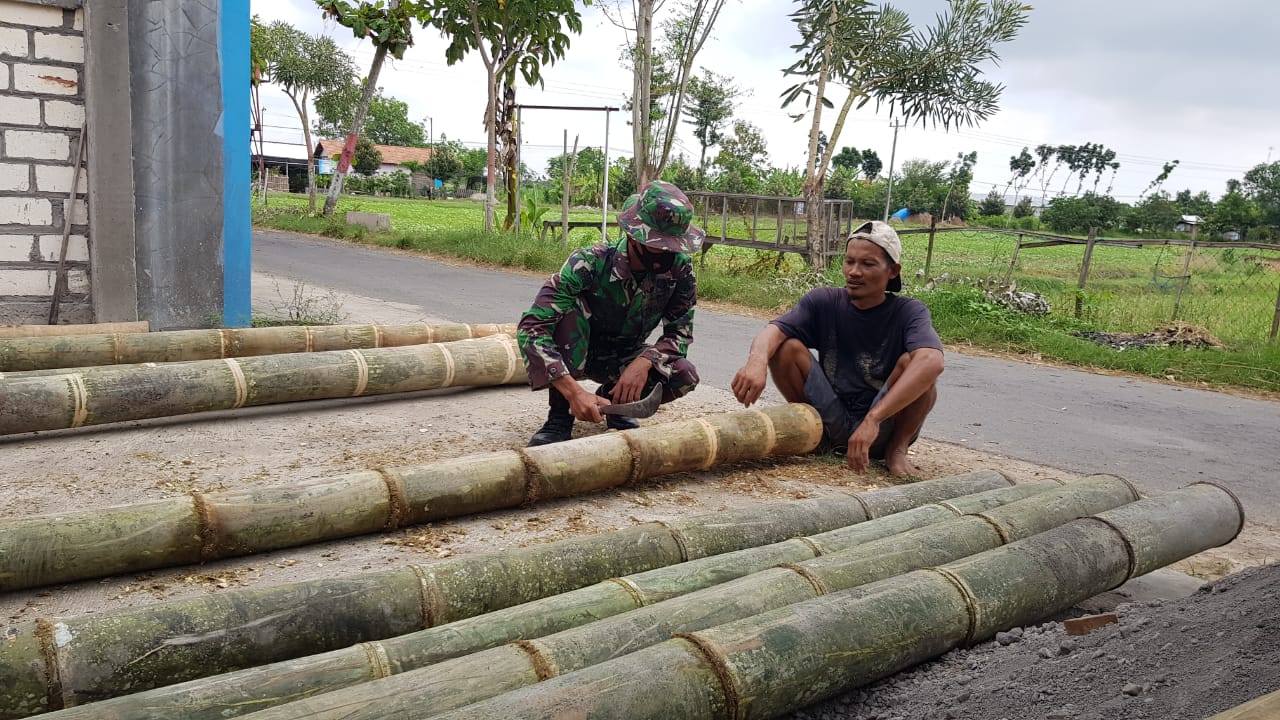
[(1231, 293)]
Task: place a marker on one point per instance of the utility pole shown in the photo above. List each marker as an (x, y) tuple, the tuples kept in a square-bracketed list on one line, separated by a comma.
[(431, 130), (888, 198)]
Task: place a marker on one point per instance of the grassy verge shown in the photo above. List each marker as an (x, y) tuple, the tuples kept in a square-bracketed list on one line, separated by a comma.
[(1117, 301)]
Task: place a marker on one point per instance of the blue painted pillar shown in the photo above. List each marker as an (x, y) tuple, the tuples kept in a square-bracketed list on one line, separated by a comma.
[(233, 49)]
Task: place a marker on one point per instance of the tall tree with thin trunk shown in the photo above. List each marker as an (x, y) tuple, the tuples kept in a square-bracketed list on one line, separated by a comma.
[(303, 65), (684, 33), (711, 101), (512, 36), (388, 25), (927, 76)]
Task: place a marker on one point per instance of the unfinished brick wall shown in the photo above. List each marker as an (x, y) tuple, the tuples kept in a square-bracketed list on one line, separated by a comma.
[(41, 113)]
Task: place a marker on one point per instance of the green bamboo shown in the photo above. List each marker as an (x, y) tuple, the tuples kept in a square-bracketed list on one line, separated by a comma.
[(238, 693), (771, 664), (205, 526), (116, 394), (1266, 707), (110, 653), (81, 351), (456, 683)]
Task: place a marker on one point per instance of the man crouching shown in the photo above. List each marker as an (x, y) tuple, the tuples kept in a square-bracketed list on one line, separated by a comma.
[(878, 356)]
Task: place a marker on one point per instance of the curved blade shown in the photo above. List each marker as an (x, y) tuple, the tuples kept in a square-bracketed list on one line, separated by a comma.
[(642, 408)]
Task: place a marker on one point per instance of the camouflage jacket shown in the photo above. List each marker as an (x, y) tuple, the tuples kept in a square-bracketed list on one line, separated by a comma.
[(622, 312)]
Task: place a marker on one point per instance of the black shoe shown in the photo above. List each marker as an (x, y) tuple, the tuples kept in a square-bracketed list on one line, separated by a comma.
[(559, 424)]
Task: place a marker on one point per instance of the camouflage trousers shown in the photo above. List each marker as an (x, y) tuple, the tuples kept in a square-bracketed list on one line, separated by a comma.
[(603, 359)]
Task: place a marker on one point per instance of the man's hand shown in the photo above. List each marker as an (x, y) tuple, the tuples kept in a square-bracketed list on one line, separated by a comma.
[(630, 387), (583, 404), (749, 382), (859, 451)]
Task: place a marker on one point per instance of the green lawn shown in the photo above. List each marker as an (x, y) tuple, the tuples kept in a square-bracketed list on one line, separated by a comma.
[(1232, 293)]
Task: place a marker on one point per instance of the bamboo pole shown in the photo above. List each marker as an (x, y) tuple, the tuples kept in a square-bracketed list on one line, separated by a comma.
[(773, 663), (27, 331), (1085, 264), (238, 693), (840, 565), (95, 542), (122, 347), (1266, 707), (113, 653), (108, 395)]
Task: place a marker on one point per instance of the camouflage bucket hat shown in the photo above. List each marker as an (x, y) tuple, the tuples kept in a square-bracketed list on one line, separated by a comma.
[(662, 218)]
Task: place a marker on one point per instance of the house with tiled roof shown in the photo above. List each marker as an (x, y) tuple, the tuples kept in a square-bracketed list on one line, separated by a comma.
[(392, 156)]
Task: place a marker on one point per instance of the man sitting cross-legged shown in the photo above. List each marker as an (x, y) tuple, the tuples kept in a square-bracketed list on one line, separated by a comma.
[(874, 379)]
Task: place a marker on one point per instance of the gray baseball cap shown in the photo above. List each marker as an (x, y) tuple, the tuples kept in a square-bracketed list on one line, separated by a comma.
[(887, 238)]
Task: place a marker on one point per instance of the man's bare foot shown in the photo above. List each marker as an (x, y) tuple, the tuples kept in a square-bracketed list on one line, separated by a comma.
[(899, 466)]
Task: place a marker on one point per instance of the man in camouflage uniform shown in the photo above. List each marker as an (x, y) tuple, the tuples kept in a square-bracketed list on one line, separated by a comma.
[(592, 319)]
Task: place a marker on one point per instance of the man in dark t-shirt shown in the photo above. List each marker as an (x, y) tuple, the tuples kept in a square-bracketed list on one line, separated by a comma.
[(878, 356)]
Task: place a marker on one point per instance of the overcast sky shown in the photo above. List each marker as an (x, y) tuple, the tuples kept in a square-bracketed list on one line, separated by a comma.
[(1155, 81)]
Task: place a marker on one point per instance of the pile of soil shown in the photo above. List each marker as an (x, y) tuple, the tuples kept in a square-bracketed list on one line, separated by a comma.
[(1185, 659), (1173, 335)]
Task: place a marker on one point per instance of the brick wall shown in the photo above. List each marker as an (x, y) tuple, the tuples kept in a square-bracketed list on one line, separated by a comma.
[(41, 112)]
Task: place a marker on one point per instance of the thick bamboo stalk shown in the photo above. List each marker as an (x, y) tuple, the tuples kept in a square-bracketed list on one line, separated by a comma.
[(245, 691), (113, 347), (1266, 707), (108, 395), (28, 331), (456, 683), (205, 526), (770, 664), (57, 662)]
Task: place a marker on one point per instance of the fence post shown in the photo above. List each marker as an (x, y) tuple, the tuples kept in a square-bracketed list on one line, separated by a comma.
[(755, 218), (1186, 272), (1012, 262), (724, 216), (1275, 322), (779, 223), (1084, 269), (928, 258)]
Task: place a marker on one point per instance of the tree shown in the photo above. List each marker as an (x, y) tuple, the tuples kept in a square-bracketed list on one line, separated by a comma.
[(303, 65), (387, 123), (1079, 214), (445, 162), (992, 205), (368, 159), (1155, 214), (515, 36), (1235, 211), (1020, 166), (257, 73), (710, 106), (930, 76), (956, 202), (746, 147), (685, 31), (1198, 204), (1023, 208), (1158, 182), (388, 25), (1262, 186), (871, 164)]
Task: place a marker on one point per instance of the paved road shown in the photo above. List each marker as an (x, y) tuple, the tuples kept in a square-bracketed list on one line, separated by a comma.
[(1159, 436)]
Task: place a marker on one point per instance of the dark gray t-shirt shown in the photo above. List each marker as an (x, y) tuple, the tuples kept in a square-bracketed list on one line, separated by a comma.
[(857, 349)]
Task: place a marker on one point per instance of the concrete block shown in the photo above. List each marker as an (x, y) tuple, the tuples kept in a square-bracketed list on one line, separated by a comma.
[(373, 221), (61, 113), (15, 177), (78, 22), (57, 179), (37, 145), (19, 111), (1089, 623), (45, 79), (79, 210), (77, 248), (23, 13), (25, 211), (27, 281), (16, 248), (60, 48), (13, 42)]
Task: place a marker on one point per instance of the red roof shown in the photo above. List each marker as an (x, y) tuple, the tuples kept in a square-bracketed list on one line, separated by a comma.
[(391, 154)]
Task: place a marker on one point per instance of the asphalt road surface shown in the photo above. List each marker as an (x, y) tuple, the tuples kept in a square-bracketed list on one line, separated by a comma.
[(1158, 436)]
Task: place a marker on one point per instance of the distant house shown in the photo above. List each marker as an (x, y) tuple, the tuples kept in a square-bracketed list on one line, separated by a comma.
[(392, 156), (1187, 222)]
